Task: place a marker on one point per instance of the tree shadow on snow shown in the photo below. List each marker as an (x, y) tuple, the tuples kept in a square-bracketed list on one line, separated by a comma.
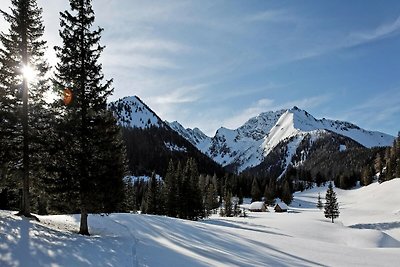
[(191, 242), (25, 243), (377, 226), (234, 225)]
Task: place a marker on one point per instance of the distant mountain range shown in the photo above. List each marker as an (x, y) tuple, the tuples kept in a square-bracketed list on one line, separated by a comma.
[(250, 145)]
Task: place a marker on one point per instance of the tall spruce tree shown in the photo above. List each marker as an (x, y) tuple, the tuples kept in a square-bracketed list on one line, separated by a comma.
[(269, 193), (196, 203), (255, 191), (83, 120), (153, 195), (22, 133), (171, 191), (331, 206), (287, 195)]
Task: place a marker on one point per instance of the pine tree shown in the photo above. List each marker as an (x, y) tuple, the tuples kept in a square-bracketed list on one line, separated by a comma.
[(331, 206), (378, 165), (255, 191), (269, 193), (130, 196), (22, 55), (181, 190), (319, 202), (211, 199), (366, 176), (152, 196), (388, 165), (397, 157), (81, 120), (228, 202), (195, 200), (287, 195), (109, 164), (171, 191)]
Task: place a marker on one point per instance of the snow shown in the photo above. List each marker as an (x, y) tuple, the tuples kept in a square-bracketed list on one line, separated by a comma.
[(174, 147), (195, 136), (134, 113), (342, 148), (367, 233), (257, 205), (282, 205), (248, 145)]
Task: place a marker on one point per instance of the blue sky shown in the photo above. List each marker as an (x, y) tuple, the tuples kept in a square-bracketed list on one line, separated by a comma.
[(217, 63)]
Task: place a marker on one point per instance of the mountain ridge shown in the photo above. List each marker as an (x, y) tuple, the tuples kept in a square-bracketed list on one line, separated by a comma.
[(248, 145)]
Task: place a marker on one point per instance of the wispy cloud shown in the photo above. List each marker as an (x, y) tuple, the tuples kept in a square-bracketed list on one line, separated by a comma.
[(148, 45), (277, 15), (180, 95), (382, 31), (378, 112), (139, 61), (328, 44)]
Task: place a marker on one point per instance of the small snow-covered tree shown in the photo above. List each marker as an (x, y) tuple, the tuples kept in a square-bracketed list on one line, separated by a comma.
[(319, 203), (331, 206)]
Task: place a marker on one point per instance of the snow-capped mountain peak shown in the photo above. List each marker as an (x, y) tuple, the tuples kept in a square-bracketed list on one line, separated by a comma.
[(248, 145), (194, 136), (132, 112)]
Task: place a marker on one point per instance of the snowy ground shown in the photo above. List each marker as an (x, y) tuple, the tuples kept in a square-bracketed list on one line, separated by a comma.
[(366, 234)]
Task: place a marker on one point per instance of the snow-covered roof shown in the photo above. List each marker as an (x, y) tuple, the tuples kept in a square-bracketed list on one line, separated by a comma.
[(282, 205), (257, 205)]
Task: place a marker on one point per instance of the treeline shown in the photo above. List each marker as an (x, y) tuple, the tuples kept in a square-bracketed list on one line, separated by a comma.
[(386, 164), (183, 192), (148, 151), (331, 157)]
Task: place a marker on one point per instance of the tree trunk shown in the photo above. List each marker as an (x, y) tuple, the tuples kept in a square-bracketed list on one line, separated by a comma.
[(332, 219), (84, 229), (25, 205)]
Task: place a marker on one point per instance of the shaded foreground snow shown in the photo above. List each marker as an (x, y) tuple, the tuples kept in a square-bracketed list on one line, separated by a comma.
[(367, 233)]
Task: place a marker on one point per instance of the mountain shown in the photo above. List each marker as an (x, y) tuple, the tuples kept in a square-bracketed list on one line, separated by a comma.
[(151, 143), (266, 144), (132, 112), (258, 139)]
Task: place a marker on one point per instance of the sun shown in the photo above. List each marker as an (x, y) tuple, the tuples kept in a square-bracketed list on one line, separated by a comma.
[(28, 72)]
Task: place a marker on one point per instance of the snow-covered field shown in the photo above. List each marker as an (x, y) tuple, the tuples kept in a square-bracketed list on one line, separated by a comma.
[(367, 233)]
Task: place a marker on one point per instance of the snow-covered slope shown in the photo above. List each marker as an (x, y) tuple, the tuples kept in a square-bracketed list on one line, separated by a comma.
[(295, 121), (248, 145), (367, 233), (133, 112), (194, 136)]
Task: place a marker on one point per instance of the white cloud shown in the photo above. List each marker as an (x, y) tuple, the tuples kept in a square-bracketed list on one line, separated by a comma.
[(148, 45), (382, 31), (132, 61), (270, 16), (180, 95), (380, 112)]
